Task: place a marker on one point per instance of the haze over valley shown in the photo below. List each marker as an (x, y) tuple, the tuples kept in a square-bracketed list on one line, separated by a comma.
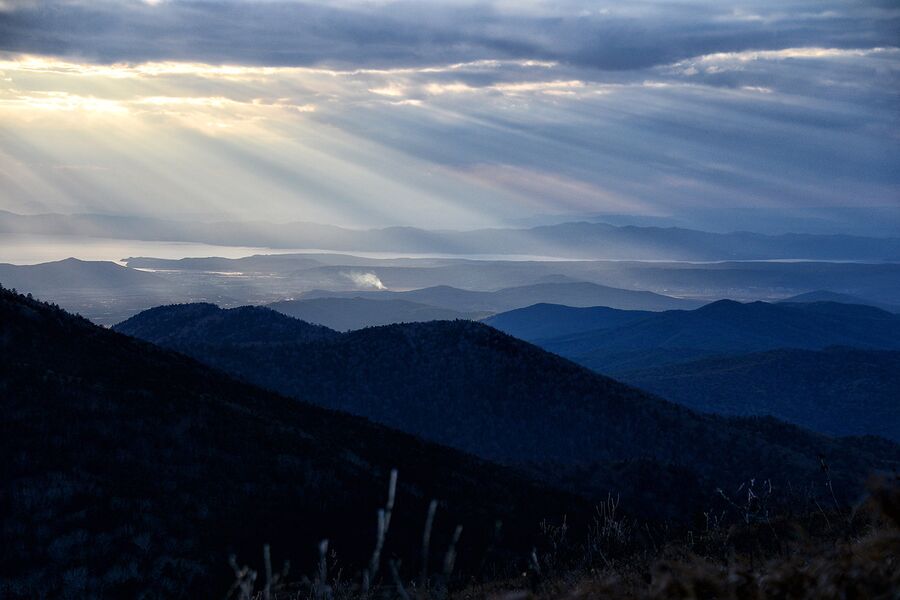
[(650, 268)]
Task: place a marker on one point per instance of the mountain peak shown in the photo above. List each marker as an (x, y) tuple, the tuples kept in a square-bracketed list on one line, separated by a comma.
[(721, 306), (205, 323)]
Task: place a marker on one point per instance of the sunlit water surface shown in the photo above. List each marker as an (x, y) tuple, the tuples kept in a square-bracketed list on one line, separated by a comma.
[(27, 249)]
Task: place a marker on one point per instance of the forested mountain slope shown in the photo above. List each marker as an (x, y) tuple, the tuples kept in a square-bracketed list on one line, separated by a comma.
[(728, 327), (472, 387), (547, 321), (131, 470), (838, 391)]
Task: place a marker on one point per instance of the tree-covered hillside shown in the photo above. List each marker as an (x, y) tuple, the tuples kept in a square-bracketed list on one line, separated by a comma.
[(132, 471), (472, 387), (728, 327), (838, 391)]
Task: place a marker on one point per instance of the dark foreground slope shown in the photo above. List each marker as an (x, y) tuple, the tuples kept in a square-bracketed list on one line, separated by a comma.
[(472, 387), (838, 391), (126, 469)]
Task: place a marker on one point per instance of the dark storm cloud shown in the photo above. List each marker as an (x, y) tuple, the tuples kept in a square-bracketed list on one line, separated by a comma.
[(614, 36)]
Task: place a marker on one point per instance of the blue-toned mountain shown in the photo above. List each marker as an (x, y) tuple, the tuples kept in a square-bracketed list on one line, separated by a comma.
[(838, 391), (469, 386)]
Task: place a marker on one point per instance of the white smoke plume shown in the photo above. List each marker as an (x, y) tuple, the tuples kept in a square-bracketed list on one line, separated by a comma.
[(366, 280)]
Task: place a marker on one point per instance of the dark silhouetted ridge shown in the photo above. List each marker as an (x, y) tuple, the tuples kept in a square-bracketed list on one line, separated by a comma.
[(188, 323), (131, 470)]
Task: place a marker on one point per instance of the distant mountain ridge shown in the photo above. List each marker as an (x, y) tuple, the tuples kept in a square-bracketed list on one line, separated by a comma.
[(263, 279), (344, 314), (579, 293), (827, 296), (74, 274), (108, 293), (745, 280), (540, 321), (573, 240), (105, 291), (725, 327)]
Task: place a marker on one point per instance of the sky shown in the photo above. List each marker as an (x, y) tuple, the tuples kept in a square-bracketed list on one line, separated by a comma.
[(451, 114)]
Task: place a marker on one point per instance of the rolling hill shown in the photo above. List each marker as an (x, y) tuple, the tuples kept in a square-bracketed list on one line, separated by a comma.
[(827, 296), (469, 386), (345, 314), (258, 263), (744, 280), (838, 391), (728, 327), (104, 291), (176, 324), (129, 470), (541, 321), (569, 293), (74, 274)]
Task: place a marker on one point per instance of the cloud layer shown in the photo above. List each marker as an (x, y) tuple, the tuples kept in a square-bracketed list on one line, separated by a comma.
[(598, 35), (447, 114)]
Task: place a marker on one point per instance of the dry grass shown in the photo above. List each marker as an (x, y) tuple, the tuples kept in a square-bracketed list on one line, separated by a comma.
[(841, 556), (837, 554)]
